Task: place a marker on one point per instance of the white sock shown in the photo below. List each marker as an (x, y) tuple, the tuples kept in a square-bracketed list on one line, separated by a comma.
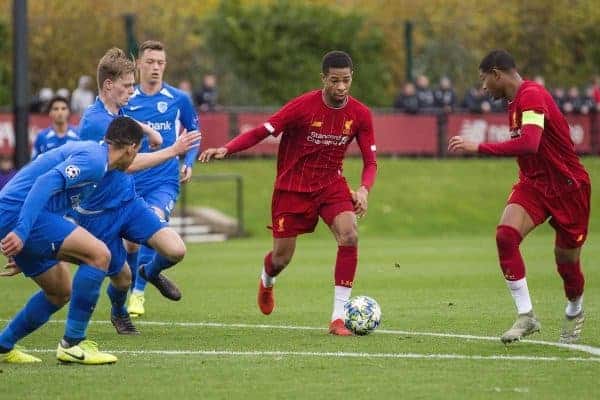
[(574, 307), (340, 297), (137, 292), (520, 294), (267, 280)]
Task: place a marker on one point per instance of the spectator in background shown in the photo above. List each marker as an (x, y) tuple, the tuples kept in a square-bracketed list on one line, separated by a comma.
[(424, 93), (444, 96), (83, 95), (57, 134), (7, 167), (476, 101), (40, 101), (407, 100), (206, 97), (589, 104), (596, 89), (64, 92), (186, 87), (573, 101), (558, 94)]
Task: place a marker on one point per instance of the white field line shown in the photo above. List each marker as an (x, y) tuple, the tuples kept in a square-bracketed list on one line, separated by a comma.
[(413, 356), (577, 347)]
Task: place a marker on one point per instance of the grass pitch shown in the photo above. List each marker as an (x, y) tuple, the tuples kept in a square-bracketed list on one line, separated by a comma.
[(443, 298)]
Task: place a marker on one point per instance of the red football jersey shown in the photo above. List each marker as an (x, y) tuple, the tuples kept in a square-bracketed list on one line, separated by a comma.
[(314, 140), (555, 168)]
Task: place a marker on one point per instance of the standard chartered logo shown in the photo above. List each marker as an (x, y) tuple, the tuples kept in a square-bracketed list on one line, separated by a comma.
[(160, 126)]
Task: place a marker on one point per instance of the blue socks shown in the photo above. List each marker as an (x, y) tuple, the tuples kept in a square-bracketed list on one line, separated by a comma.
[(158, 264), (132, 261), (36, 313), (117, 299), (146, 255), (86, 291)]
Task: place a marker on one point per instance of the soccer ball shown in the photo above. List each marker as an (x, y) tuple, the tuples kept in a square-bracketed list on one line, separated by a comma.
[(362, 315)]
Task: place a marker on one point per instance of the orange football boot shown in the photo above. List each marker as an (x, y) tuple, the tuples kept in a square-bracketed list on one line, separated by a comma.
[(266, 301), (338, 328)]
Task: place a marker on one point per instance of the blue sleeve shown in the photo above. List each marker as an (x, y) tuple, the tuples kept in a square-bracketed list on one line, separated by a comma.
[(76, 170), (189, 120), (91, 129), (37, 147), (39, 194)]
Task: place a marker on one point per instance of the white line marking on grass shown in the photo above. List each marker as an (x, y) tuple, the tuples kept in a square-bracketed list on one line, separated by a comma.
[(577, 347), (338, 355)]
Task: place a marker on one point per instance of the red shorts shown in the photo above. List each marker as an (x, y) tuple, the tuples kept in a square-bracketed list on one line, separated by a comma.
[(569, 212), (295, 213)]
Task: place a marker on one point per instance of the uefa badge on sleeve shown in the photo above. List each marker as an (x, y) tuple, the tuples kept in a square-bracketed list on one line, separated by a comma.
[(72, 171)]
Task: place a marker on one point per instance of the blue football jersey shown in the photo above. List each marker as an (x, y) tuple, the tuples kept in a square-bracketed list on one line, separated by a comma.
[(116, 187), (166, 111), (48, 139), (74, 168)]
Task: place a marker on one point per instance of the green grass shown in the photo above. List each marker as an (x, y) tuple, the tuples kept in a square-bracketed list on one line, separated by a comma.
[(446, 281)]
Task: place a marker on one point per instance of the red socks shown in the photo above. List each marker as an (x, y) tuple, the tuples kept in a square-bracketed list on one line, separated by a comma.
[(345, 265), (511, 262), (572, 279)]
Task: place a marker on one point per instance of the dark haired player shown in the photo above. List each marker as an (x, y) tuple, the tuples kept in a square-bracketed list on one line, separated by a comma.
[(316, 129), (552, 184), (59, 132)]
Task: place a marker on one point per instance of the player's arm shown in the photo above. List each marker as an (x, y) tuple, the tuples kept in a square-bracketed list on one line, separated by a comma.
[(275, 125), (532, 126), (76, 170), (185, 142), (366, 143), (154, 137), (189, 121)]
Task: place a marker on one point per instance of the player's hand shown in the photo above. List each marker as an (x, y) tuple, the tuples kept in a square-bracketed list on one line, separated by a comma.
[(10, 269), (185, 175), (457, 144), (155, 139), (186, 141), (207, 154), (360, 198), (11, 245)]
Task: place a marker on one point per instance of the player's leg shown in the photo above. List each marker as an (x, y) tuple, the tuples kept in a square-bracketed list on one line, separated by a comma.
[(162, 201), (337, 210), (515, 224), (120, 282), (145, 227), (570, 219), (56, 290), (274, 262), (133, 253), (292, 214), (94, 259)]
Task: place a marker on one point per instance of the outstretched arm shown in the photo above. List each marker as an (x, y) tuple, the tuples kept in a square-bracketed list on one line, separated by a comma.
[(239, 143), (185, 142)]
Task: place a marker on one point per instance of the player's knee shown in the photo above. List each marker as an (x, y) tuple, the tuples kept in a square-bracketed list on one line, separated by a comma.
[(101, 257), (566, 256), (60, 295), (348, 238), (176, 251), (507, 238)]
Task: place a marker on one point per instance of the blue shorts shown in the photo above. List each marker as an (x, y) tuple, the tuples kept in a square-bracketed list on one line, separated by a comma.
[(163, 198), (44, 241), (134, 221)]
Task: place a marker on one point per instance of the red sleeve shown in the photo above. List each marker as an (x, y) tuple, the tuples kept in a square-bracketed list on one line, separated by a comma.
[(247, 139), (286, 117), (527, 143), (366, 143), (275, 125)]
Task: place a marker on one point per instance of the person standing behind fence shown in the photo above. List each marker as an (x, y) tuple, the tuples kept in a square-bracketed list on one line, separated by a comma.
[(83, 96), (166, 109), (60, 132)]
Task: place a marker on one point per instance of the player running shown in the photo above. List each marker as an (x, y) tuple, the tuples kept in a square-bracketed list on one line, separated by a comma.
[(36, 235), (167, 110), (552, 184), (59, 132), (316, 129)]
